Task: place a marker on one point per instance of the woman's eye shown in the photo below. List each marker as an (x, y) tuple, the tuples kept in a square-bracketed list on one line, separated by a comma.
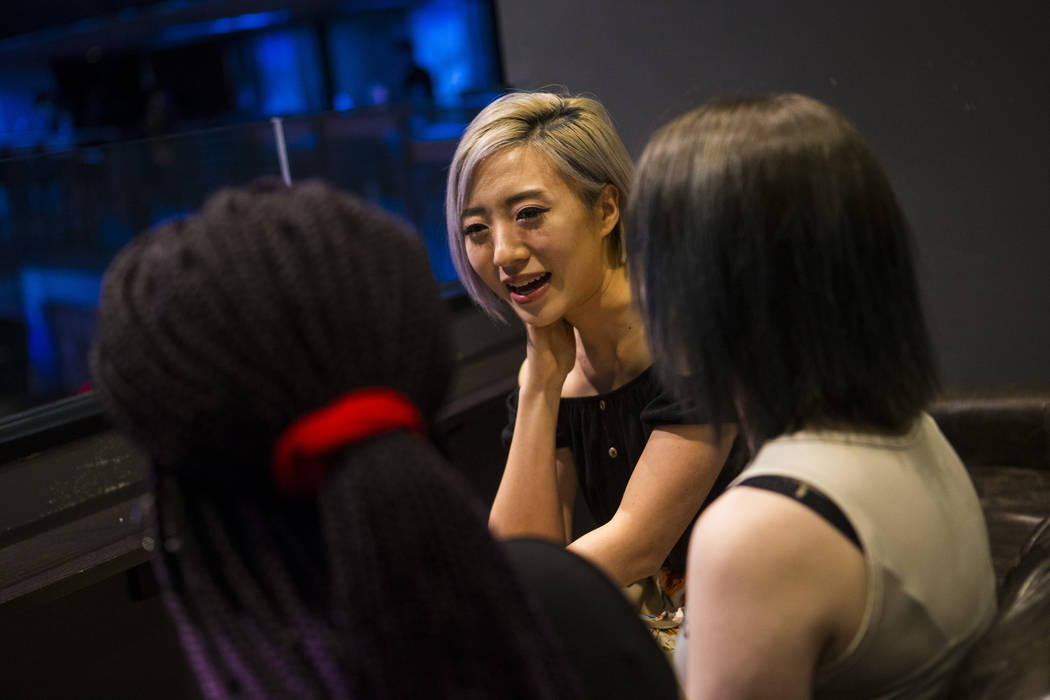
[(473, 230), (529, 213)]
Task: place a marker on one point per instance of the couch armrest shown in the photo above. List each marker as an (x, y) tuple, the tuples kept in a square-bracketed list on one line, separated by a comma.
[(997, 431)]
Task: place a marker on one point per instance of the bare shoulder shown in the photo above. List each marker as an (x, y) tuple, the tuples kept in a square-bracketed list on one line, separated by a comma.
[(766, 553), (756, 532)]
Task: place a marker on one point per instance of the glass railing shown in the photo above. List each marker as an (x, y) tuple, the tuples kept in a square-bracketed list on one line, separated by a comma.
[(64, 215)]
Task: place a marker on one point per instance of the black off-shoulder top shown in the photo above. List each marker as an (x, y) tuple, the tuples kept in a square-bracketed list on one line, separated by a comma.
[(607, 434)]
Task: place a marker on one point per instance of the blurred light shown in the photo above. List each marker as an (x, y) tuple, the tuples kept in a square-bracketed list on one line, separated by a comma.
[(288, 71), (441, 37), (342, 102), (43, 285), (276, 55), (438, 131), (180, 33), (165, 215)]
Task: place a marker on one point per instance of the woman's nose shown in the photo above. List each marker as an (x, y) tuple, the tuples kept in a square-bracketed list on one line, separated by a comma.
[(508, 249)]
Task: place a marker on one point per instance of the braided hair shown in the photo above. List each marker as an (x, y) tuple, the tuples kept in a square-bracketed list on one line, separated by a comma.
[(214, 334)]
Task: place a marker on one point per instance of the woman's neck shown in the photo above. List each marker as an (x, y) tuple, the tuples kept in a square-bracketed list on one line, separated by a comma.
[(611, 347)]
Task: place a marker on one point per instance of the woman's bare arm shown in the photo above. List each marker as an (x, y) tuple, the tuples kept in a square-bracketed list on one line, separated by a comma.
[(531, 498), (676, 471), (773, 591)]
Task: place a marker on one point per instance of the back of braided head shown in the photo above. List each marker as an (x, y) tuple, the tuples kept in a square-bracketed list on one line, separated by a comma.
[(217, 331)]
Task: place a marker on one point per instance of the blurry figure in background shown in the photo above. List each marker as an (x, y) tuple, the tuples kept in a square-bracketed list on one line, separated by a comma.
[(37, 199), (406, 83), (417, 87), (280, 357), (157, 115), (158, 120), (774, 267), (1012, 661), (46, 127), (533, 209)]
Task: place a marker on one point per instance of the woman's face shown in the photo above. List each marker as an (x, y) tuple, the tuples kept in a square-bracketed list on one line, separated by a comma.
[(532, 239)]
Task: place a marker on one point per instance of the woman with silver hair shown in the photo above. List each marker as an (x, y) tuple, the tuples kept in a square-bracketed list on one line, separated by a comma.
[(534, 204)]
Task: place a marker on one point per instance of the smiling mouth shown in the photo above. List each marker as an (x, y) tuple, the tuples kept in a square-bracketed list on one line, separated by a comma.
[(529, 287)]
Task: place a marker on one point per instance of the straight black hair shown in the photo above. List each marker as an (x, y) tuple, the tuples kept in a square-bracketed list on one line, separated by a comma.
[(217, 332), (774, 265)]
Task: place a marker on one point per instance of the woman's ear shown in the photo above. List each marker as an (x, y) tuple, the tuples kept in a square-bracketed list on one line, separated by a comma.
[(608, 208)]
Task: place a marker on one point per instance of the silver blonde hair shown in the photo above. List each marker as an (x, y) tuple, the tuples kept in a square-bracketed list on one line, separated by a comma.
[(578, 137)]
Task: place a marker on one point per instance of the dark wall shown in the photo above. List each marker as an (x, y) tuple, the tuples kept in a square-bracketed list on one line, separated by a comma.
[(953, 96)]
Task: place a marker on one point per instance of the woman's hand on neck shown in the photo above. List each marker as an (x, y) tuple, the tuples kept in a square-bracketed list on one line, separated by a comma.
[(550, 354)]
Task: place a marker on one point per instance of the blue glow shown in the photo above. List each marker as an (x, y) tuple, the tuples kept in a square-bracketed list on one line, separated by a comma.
[(289, 71), (41, 285), (438, 131), (16, 120), (180, 33), (223, 26), (276, 55), (443, 45), (342, 102), (164, 215), (305, 142)]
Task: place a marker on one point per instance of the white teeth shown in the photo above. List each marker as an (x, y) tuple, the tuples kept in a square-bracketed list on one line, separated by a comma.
[(519, 285)]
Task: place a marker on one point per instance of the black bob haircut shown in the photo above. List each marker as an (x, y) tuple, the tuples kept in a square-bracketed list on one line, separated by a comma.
[(774, 264)]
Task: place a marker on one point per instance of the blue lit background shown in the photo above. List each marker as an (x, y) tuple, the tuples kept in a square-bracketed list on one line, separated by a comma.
[(100, 139)]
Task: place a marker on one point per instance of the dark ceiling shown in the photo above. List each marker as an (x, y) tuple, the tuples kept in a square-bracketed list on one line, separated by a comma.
[(46, 30), (54, 29), (24, 17)]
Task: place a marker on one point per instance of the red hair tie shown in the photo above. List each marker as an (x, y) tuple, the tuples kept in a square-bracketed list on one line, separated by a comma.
[(300, 456)]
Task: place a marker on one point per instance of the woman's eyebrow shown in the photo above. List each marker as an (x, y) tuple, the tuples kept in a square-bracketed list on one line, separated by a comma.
[(507, 203)]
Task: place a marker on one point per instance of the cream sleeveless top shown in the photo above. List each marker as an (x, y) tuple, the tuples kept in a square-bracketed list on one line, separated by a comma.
[(931, 586)]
